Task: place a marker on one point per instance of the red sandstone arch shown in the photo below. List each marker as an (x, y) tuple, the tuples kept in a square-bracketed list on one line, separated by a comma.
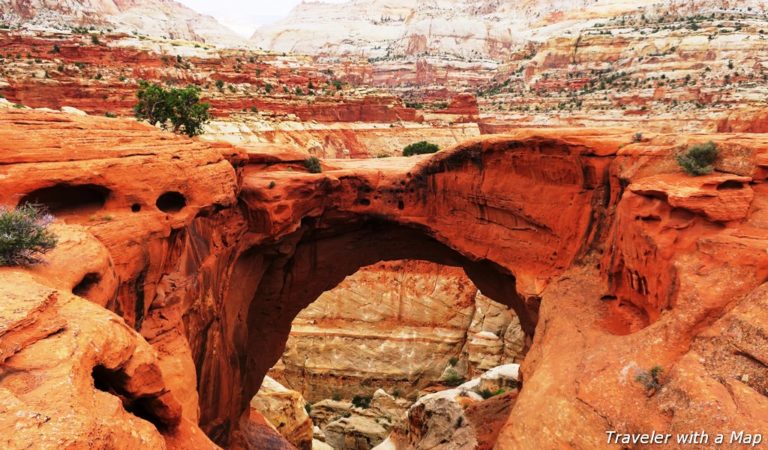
[(544, 199)]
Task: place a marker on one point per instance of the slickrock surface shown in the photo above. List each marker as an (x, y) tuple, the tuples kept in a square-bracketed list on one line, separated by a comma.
[(72, 371), (613, 259)]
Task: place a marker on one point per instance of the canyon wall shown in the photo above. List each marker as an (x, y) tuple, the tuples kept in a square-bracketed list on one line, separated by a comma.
[(169, 19), (395, 326)]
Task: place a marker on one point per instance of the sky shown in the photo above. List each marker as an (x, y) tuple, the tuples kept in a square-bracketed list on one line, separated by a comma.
[(244, 16)]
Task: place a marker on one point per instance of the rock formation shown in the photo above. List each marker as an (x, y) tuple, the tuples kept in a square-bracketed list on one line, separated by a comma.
[(285, 410), (378, 29), (458, 418), (168, 19), (395, 326), (614, 261)]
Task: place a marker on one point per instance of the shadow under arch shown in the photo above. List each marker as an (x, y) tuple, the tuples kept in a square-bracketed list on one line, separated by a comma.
[(274, 284)]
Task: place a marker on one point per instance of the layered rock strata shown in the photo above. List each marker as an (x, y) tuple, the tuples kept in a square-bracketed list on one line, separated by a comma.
[(395, 326)]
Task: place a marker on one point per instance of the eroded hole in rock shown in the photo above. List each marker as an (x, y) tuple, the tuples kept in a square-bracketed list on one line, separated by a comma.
[(360, 356), (113, 382), (69, 199), (171, 202), (136, 207), (84, 287), (625, 318), (730, 184)]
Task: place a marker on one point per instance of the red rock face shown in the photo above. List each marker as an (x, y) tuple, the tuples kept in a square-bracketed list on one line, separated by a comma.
[(614, 261)]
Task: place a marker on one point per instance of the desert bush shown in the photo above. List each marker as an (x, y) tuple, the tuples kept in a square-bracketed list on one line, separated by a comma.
[(313, 164), (177, 109), (452, 378), (651, 379), (487, 393), (362, 401), (699, 159), (420, 148), (24, 235)]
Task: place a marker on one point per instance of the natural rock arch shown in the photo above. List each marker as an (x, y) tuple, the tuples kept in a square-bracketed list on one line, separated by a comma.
[(450, 209)]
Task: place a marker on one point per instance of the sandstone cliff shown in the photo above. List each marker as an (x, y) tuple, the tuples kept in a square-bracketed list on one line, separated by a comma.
[(160, 18)]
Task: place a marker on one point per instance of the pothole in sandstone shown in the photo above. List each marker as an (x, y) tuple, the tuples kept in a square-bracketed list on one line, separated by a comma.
[(86, 285), (391, 335), (171, 202), (112, 382), (69, 199)]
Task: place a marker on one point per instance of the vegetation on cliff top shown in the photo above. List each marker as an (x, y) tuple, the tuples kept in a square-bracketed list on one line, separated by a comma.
[(24, 235), (420, 148), (313, 164), (177, 109), (699, 159)]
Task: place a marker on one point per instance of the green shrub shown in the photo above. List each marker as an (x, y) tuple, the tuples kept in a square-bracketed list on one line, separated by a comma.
[(699, 159), (420, 148), (651, 380), (487, 393), (453, 361), (177, 109), (336, 396), (452, 378), (308, 407), (362, 401), (24, 235), (313, 164), (220, 85)]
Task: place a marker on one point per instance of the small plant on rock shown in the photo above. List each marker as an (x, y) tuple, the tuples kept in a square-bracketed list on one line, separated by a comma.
[(420, 148), (650, 379), (362, 401), (699, 159), (487, 393), (24, 235), (313, 164), (452, 378)]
